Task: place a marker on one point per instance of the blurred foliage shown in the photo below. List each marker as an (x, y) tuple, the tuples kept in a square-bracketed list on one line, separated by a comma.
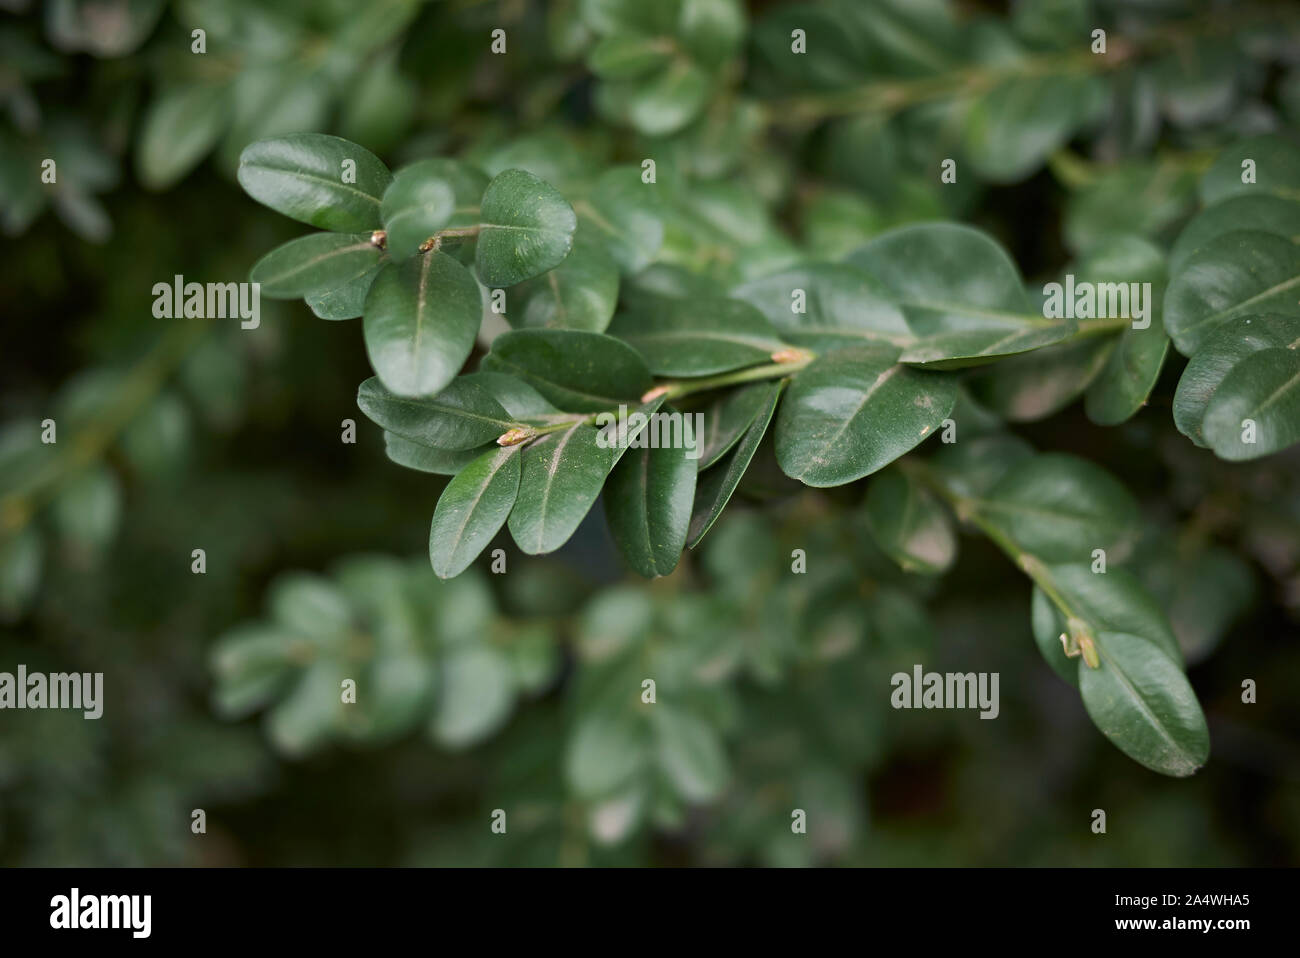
[(522, 691)]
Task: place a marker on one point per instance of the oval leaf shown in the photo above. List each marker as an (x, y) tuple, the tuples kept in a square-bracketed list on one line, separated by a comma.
[(697, 337), (855, 411), (648, 503), (1141, 701), (472, 509), (315, 264), (421, 319), (326, 181), (462, 416), (526, 228), (577, 370)]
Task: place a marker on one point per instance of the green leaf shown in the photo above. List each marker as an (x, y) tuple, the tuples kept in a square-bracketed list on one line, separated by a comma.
[(1277, 169), (442, 462), (1133, 366), (311, 607), (697, 337), (1012, 130), (1048, 625), (690, 754), (303, 176), (961, 294), (827, 306), (462, 416), (87, 509), (563, 473), (347, 301), (605, 752), (853, 412), (1036, 385), (577, 370), (715, 487), (1112, 601), (970, 467), (1143, 703), (304, 719), (476, 694), (1059, 508), (417, 204), (472, 509), (1130, 373), (315, 264), (515, 396), (1218, 355), (252, 664), (21, 558), (157, 441), (648, 503), (527, 228), (627, 216), (726, 420), (1264, 213), (179, 129), (1137, 197), (1256, 409), (580, 293), (421, 319), (909, 523), (628, 55), (1238, 273), (657, 105)]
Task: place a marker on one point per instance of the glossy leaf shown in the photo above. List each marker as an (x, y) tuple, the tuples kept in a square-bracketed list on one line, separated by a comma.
[(462, 416), (1262, 212), (1238, 273), (715, 487), (580, 293), (315, 264), (472, 509), (1112, 601), (826, 306), (526, 228), (563, 473), (1142, 702), (578, 371), (441, 462), (421, 319), (1221, 352), (1256, 409), (417, 204), (347, 301), (1276, 161), (961, 294), (310, 177), (648, 503), (855, 411), (726, 420), (697, 337), (1059, 508)]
